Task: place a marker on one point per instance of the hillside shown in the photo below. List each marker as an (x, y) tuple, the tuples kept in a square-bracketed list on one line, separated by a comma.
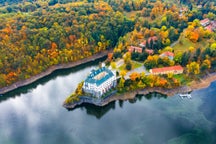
[(35, 40), (35, 35)]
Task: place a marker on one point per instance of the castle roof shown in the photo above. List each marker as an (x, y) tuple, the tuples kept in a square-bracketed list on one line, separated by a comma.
[(99, 76)]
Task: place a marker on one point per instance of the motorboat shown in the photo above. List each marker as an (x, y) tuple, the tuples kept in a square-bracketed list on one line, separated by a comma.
[(185, 95)]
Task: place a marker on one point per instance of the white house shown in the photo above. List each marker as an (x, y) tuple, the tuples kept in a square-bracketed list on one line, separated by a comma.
[(99, 82)]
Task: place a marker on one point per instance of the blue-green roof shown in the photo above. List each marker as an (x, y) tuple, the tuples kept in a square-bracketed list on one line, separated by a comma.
[(90, 78)]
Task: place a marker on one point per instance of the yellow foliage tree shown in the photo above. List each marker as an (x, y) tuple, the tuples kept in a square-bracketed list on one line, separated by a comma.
[(123, 73), (193, 68)]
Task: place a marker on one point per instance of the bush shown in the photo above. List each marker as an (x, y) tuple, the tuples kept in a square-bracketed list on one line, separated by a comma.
[(128, 66)]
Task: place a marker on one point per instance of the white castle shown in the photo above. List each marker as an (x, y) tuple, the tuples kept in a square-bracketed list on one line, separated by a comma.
[(100, 81)]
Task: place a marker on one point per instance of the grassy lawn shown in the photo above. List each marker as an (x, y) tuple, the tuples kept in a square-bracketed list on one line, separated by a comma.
[(186, 43), (132, 15), (134, 65), (183, 79), (122, 67)]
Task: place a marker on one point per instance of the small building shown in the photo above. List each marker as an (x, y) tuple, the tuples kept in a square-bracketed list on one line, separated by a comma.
[(183, 9), (209, 28), (199, 6), (149, 51), (168, 54), (135, 49), (99, 82), (153, 38), (205, 22), (213, 24), (165, 70)]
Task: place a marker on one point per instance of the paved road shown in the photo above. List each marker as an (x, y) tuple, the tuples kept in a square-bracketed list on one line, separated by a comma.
[(174, 43), (119, 63)]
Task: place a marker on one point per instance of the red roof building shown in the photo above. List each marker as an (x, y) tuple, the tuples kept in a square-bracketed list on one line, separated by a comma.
[(168, 54), (149, 51), (183, 9), (153, 38), (209, 28), (165, 70), (205, 22), (135, 49)]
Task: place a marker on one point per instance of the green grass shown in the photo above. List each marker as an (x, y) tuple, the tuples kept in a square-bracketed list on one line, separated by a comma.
[(132, 15), (136, 64), (184, 80), (122, 67), (184, 44)]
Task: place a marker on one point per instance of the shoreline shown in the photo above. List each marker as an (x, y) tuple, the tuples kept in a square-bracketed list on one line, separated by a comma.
[(50, 70), (195, 85)]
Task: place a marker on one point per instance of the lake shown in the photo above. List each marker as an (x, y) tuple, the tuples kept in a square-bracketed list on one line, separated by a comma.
[(34, 115)]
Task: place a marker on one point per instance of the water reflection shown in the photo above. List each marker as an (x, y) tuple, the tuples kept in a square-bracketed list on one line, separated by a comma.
[(44, 80), (38, 117), (208, 102), (96, 111), (151, 95), (99, 112)]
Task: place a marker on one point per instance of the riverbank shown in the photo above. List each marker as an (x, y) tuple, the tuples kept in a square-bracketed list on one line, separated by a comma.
[(51, 70), (203, 83)]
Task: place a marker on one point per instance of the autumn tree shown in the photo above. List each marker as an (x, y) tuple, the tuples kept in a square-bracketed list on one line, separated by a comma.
[(151, 61), (123, 73), (121, 84), (49, 35), (213, 46), (134, 76), (193, 68), (206, 64)]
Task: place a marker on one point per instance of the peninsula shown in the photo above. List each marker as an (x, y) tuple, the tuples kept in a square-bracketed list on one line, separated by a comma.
[(150, 44), (104, 90), (169, 58)]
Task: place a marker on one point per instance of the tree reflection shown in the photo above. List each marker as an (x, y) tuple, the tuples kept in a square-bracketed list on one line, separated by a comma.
[(100, 111), (63, 72), (151, 96), (94, 110)]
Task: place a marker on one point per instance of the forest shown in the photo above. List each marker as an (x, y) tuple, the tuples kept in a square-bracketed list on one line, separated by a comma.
[(32, 41), (35, 35)]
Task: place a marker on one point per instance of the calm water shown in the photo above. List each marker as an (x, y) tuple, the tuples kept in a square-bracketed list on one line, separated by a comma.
[(34, 115)]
